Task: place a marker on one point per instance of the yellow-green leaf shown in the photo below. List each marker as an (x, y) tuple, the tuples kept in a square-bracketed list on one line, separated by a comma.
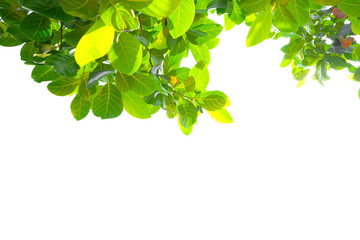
[(94, 44), (221, 116), (182, 18), (260, 29), (125, 54)]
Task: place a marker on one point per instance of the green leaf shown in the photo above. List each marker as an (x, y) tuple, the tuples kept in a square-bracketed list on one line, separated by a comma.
[(212, 100), (284, 20), (143, 84), (80, 107), (49, 8), (36, 27), (63, 86), (81, 8), (182, 18), (154, 8), (260, 29), (125, 54), (327, 2), (200, 73), (64, 65), (200, 53), (355, 25), (42, 73), (117, 16), (28, 51), (124, 82), (300, 9), (236, 16), (350, 7), (253, 6), (73, 37), (108, 103), (221, 116), (95, 43), (186, 131), (135, 105), (204, 33), (228, 23), (187, 113)]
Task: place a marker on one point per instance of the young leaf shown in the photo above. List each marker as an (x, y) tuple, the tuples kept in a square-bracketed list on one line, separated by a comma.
[(221, 116), (260, 29), (95, 43)]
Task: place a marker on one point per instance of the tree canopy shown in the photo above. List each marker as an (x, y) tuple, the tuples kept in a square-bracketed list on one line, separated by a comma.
[(112, 55)]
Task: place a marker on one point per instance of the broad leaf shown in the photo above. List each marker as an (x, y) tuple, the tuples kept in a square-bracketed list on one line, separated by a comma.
[(42, 73), (125, 54), (260, 29), (182, 18), (80, 107), (187, 113), (36, 27), (350, 7), (327, 2), (212, 100), (135, 105), (253, 6), (221, 116), (108, 103), (154, 8), (64, 65), (284, 20), (117, 16), (95, 43), (81, 8), (51, 9), (300, 9), (63, 86)]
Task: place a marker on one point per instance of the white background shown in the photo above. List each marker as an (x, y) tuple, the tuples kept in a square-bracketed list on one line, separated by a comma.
[(287, 169)]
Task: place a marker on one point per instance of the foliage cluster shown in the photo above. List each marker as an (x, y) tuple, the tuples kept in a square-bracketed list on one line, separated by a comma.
[(126, 54)]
